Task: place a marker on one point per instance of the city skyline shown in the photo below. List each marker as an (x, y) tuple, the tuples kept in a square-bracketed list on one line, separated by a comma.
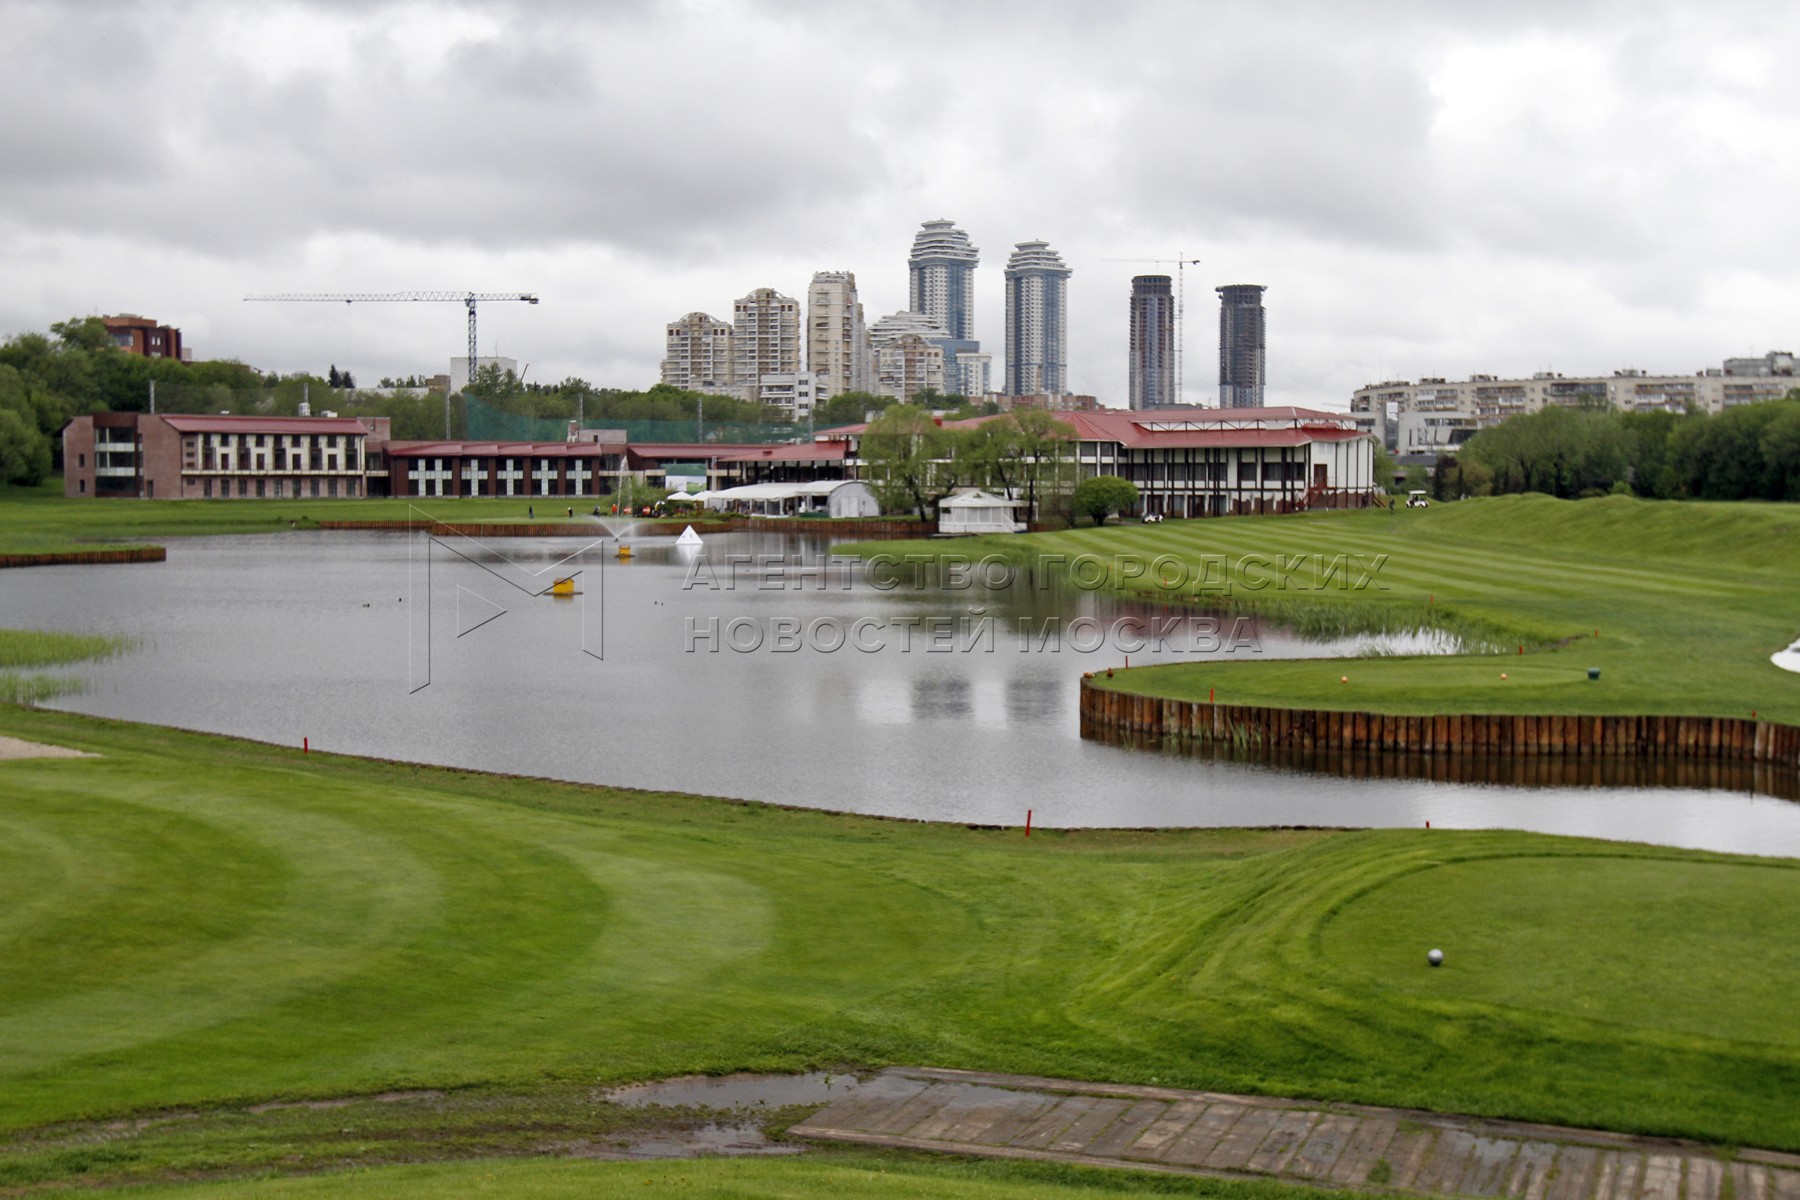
[(1430, 193)]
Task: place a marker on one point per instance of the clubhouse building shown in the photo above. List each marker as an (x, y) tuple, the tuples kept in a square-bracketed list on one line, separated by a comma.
[(1185, 462)]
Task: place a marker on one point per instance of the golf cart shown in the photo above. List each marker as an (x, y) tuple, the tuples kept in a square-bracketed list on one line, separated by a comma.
[(1417, 499)]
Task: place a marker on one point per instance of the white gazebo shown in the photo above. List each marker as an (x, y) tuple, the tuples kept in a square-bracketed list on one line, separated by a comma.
[(978, 512)]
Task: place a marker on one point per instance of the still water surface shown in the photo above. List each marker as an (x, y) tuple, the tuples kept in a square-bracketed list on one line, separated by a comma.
[(935, 707)]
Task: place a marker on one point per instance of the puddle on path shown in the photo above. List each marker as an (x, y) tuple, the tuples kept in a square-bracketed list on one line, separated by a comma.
[(730, 1092)]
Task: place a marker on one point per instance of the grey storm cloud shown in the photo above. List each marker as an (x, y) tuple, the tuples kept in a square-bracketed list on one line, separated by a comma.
[(1426, 188)]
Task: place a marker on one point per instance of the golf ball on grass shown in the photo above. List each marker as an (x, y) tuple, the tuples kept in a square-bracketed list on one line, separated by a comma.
[(1435, 958)]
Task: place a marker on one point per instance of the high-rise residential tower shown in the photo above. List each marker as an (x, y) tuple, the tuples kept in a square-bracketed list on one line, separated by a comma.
[(1241, 346), (942, 277), (697, 354), (1152, 365), (837, 341), (765, 339), (1037, 321)]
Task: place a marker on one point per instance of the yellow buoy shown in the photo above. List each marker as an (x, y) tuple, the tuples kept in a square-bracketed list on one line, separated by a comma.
[(624, 550), (563, 587)]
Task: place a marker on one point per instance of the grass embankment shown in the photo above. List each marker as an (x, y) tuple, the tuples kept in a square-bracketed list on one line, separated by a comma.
[(823, 1175), (42, 519), (195, 921), (21, 649), (1689, 600)]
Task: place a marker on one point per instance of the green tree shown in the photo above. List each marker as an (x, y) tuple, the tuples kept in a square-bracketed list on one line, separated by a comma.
[(1046, 455), (1562, 451), (1385, 467), (1102, 496), (850, 408), (904, 452), (24, 452), (1652, 474), (1781, 448), (1722, 457)]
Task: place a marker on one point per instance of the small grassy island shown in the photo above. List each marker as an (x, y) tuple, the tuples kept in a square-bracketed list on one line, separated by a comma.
[(1679, 605)]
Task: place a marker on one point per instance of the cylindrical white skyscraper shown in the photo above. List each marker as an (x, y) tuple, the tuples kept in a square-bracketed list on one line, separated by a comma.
[(1037, 321), (941, 272)]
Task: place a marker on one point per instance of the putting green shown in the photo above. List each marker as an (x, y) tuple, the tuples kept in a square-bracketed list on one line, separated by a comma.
[(1663, 946)]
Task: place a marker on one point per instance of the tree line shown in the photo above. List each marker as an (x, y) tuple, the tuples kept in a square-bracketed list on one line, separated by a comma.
[(912, 459), (1747, 452)]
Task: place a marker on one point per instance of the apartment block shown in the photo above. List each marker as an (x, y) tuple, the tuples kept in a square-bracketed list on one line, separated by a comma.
[(837, 341), (1437, 414), (698, 354), (765, 339)]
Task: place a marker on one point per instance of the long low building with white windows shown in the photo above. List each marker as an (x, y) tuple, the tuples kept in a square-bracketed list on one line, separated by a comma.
[(584, 469)]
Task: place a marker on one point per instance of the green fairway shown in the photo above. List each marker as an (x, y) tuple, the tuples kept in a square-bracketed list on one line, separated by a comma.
[(1679, 605), (195, 921)]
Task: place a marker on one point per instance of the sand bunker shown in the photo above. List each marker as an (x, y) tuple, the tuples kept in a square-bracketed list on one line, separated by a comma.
[(17, 748)]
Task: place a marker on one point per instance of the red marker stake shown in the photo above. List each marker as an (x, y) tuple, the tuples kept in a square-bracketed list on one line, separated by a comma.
[(1028, 822), (306, 745)]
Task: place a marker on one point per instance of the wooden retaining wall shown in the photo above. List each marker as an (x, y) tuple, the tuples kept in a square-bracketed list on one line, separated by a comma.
[(66, 558), (1122, 716)]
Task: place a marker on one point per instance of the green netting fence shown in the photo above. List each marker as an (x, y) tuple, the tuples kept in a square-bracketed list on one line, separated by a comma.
[(487, 422), (422, 416)]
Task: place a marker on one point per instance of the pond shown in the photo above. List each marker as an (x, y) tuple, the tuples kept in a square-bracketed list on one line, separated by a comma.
[(751, 668)]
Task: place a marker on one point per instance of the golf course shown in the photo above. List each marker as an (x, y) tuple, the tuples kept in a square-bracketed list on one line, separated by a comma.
[(230, 968), (201, 924)]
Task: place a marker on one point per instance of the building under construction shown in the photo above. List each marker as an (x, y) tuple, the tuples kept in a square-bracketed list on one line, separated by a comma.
[(1153, 346), (1241, 346)]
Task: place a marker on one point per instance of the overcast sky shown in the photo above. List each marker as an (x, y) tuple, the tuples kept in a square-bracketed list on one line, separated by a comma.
[(1425, 189)]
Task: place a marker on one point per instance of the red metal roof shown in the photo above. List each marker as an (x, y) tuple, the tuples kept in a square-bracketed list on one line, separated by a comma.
[(1185, 428), (692, 451), (803, 452), (182, 423), (502, 449)]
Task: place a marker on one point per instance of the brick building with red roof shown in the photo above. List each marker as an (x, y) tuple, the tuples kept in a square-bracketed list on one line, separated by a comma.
[(177, 456)]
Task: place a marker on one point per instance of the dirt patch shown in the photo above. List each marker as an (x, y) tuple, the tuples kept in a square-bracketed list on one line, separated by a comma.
[(11, 747), (347, 1101)]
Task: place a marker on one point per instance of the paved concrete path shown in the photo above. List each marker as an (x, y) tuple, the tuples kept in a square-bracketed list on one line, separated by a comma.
[(1330, 1145)]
